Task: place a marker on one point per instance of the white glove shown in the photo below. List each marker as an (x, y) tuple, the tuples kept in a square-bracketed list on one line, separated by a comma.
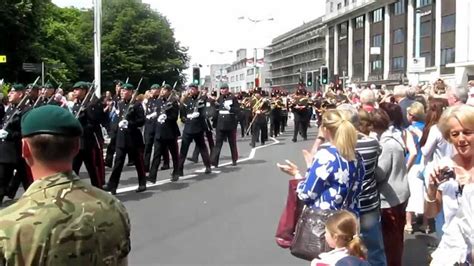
[(3, 134), (193, 115), (162, 118), (152, 115), (123, 124), (227, 106)]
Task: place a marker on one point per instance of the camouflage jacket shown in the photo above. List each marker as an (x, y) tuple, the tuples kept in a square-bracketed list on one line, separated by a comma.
[(61, 220)]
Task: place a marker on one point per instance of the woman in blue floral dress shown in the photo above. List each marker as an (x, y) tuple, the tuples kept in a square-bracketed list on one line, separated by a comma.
[(336, 172)]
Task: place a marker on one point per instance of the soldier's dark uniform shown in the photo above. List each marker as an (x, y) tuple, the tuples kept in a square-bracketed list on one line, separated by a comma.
[(211, 112), (244, 114), (193, 115), (91, 117), (166, 135), (227, 110), (10, 149), (112, 130), (260, 125), (275, 115), (150, 123), (129, 140), (300, 113)]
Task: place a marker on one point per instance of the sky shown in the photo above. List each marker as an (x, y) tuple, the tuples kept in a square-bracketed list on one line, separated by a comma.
[(205, 25)]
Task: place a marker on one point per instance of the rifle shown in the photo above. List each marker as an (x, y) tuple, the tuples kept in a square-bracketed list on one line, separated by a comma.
[(87, 99), (126, 81), (23, 102), (132, 101), (54, 94)]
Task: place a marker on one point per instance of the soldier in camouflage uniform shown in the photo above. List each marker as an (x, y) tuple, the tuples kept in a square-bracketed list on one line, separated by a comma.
[(60, 220)]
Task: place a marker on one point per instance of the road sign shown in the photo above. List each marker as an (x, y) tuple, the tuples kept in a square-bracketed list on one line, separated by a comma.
[(31, 67), (3, 58), (417, 65)]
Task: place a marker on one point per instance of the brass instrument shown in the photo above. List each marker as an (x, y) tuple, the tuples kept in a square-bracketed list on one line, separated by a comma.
[(256, 107)]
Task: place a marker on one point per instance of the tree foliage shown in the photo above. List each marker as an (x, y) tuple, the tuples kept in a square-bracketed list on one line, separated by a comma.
[(136, 42)]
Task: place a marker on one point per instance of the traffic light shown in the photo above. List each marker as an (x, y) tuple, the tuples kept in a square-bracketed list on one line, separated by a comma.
[(309, 79), (324, 75), (196, 75)]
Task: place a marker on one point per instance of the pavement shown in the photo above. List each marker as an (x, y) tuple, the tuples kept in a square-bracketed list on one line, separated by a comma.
[(228, 217)]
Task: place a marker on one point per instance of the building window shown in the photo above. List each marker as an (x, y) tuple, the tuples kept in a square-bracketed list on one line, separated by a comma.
[(342, 30), (359, 44), (399, 7), (427, 56), (359, 22), (346, 2), (376, 65), (423, 3), (241, 76), (249, 71), (331, 7), (398, 36), (377, 15), (398, 63), (377, 40), (448, 23), (447, 56), (339, 6), (232, 79), (425, 29)]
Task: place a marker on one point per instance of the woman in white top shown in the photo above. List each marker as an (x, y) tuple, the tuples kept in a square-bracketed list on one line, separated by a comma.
[(447, 179)]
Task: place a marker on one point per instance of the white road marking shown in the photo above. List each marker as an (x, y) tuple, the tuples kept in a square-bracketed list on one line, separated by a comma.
[(199, 171)]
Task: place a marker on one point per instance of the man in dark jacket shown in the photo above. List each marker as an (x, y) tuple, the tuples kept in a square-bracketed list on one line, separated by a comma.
[(91, 115), (193, 114), (227, 109), (129, 139), (166, 132)]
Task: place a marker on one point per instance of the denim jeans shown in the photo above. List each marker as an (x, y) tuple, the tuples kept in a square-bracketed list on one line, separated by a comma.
[(371, 234)]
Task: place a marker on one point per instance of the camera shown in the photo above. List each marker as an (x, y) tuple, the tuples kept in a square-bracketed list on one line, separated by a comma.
[(446, 173)]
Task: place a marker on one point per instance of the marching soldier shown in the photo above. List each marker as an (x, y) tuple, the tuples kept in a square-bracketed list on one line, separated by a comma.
[(245, 113), (113, 125), (10, 144), (211, 114), (60, 220), (284, 112), (260, 109), (275, 114), (90, 112), (129, 139), (227, 110), (166, 132), (299, 108), (150, 123), (193, 114)]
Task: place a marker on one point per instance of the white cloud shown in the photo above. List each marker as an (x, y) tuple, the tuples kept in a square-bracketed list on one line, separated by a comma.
[(212, 24)]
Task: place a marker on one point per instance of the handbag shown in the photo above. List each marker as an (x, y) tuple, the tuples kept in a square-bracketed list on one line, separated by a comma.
[(310, 235), (289, 217)]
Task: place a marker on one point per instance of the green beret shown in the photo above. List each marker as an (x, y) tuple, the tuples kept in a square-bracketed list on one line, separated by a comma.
[(50, 119), (80, 85), (18, 87), (192, 85), (155, 87), (127, 86), (224, 86), (32, 86), (48, 86), (167, 87)]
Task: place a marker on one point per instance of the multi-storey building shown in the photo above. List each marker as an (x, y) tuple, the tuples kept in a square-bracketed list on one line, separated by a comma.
[(295, 53), (243, 73), (218, 74), (376, 41)]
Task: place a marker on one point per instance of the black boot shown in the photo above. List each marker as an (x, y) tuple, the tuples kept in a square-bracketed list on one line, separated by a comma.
[(141, 188), (110, 188)]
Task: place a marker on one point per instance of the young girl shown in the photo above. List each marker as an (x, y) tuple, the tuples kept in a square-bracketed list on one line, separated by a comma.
[(342, 235)]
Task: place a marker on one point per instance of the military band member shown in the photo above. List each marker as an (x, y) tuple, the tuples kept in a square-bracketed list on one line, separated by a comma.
[(275, 114), (60, 220), (245, 113), (193, 115), (227, 110), (284, 112), (10, 144), (166, 132), (113, 124), (129, 139), (260, 110), (299, 108), (91, 115)]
